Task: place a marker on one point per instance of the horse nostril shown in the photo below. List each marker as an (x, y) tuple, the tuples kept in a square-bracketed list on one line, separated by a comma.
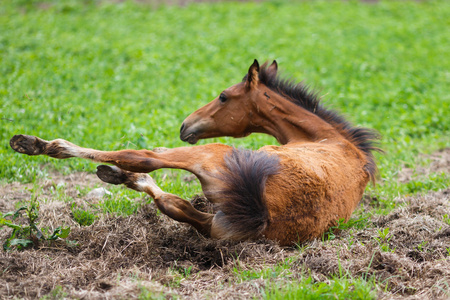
[(182, 127)]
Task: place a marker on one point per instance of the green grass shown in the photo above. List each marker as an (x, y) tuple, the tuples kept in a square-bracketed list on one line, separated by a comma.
[(336, 289), (82, 216), (56, 293), (147, 294), (278, 271), (111, 76), (119, 204), (281, 285)]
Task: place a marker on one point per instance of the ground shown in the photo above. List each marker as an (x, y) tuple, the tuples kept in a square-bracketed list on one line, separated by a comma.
[(148, 254)]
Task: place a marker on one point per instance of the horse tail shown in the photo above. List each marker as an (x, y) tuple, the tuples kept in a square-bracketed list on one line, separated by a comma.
[(243, 213)]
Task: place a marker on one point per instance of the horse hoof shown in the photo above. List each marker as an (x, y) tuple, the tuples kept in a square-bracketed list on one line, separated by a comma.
[(27, 144), (111, 174)]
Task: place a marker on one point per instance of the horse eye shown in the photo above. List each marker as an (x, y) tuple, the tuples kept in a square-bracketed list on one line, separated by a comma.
[(222, 98)]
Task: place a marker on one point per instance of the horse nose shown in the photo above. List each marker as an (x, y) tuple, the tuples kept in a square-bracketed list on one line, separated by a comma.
[(182, 128)]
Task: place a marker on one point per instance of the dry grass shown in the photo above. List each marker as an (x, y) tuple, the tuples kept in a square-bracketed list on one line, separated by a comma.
[(118, 256)]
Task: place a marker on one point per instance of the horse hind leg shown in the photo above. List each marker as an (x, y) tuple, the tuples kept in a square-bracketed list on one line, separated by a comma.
[(169, 204)]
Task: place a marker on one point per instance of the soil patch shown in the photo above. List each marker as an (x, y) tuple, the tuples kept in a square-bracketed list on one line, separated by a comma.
[(439, 162)]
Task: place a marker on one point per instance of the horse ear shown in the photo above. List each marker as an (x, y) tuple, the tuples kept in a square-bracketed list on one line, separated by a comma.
[(273, 68), (253, 75)]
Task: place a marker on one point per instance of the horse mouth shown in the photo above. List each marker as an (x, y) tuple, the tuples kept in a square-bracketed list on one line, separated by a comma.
[(190, 138)]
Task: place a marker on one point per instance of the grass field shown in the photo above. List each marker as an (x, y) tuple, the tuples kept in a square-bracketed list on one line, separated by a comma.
[(113, 76)]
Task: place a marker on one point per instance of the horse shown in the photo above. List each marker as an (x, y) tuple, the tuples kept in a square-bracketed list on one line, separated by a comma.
[(290, 193)]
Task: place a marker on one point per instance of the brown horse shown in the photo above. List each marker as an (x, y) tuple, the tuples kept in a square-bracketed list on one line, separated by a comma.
[(289, 193)]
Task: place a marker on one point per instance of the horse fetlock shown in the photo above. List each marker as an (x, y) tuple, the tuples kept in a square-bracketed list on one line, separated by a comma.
[(145, 183), (140, 182), (28, 144), (60, 148), (115, 175)]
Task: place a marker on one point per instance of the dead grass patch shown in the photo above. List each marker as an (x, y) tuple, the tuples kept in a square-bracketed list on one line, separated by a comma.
[(119, 257)]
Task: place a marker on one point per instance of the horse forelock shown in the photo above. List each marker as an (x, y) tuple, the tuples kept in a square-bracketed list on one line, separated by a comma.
[(302, 95)]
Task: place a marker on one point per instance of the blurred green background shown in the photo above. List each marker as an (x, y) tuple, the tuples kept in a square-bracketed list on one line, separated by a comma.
[(111, 76)]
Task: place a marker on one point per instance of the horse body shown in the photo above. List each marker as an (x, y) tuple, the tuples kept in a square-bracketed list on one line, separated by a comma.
[(312, 190), (289, 193)]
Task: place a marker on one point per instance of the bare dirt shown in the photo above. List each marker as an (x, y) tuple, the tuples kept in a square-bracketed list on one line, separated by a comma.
[(438, 162), (117, 257)]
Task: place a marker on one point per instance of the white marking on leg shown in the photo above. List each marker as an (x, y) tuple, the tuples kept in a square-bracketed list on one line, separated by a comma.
[(146, 184), (73, 150), (69, 148)]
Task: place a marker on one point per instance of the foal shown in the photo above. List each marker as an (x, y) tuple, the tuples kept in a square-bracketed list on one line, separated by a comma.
[(288, 193)]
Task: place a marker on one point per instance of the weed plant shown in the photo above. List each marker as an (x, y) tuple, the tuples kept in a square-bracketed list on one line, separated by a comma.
[(23, 236)]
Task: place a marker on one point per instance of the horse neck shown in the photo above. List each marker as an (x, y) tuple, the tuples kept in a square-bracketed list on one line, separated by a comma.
[(290, 123)]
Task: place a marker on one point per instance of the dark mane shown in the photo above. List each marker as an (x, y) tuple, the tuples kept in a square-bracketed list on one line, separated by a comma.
[(364, 138)]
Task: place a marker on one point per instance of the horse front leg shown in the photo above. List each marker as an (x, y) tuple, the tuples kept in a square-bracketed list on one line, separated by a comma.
[(171, 205), (131, 160), (206, 161)]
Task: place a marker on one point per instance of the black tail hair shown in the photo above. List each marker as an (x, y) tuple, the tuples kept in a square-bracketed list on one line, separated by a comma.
[(244, 210)]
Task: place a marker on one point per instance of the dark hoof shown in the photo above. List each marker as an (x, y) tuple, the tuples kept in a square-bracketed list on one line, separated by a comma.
[(111, 174), (27, 144)]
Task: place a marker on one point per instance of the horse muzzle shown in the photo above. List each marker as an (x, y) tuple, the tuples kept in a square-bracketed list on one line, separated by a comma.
[(188, 135)]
